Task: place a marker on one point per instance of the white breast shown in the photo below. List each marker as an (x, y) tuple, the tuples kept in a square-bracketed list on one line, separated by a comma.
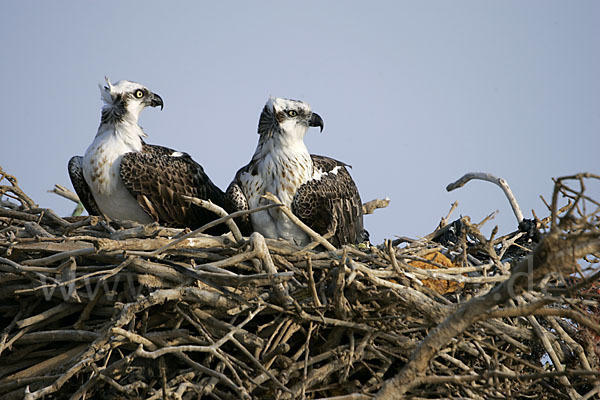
[(280, 173), (101, 164)]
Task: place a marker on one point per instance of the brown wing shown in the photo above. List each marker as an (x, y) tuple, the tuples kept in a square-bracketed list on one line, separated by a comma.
[(158, 177), (81, 187), (238, 201), (331, 204)]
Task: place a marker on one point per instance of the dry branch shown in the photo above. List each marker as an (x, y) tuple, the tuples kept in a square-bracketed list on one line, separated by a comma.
[(154, 312), (553, 254), (64, 192), (314, 235), (494, 179), (370, 206)]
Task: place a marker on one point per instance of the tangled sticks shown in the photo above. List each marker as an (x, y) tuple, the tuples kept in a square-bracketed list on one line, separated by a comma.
[(95, 312)]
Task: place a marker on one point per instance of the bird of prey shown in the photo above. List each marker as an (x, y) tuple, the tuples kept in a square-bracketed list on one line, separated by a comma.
[(319, 190), (123, 178)]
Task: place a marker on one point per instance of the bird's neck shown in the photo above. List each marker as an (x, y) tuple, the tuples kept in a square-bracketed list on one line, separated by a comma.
[(123, 132), (287, 145)]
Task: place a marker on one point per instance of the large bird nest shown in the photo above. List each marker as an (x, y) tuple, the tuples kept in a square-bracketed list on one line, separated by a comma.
[(96, 309)]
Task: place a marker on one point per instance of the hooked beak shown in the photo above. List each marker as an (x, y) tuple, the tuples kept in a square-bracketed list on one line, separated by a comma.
[(156, 101), (316, 120)]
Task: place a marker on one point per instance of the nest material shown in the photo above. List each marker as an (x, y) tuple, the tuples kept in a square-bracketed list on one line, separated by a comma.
[(91, 311)]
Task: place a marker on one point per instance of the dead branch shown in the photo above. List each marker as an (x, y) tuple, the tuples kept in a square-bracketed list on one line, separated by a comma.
[(314, 235), (370, 206), (494, 179), (161, 313), (65, 192), (552, 254), (210, 206)]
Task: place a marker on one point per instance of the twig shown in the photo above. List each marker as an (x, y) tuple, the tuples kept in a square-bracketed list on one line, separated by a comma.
[(314, 235), (64, 192), (57, 335), (494, 179), (60, 256), (544, 338), (370, 206), (202, 229), (445, 220), (262, 251), (210, 206), (311, 282), (549, 255)]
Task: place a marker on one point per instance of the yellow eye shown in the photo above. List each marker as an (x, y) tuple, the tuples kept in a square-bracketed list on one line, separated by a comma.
[(139, 93), (292, 113)]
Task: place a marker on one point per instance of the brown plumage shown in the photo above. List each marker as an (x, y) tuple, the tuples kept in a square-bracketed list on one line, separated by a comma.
[(158, 180), (81, 187), (332, 203)]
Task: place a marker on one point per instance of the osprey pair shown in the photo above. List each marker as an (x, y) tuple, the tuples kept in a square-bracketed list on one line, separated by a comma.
[(122, 177)]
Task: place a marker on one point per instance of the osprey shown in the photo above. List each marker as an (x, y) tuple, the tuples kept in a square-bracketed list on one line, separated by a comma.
[(318, 190), (124, 178)]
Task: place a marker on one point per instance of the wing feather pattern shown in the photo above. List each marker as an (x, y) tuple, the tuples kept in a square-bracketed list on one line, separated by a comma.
[(81, 187), (236, 197), (158, 177), (331, 203)]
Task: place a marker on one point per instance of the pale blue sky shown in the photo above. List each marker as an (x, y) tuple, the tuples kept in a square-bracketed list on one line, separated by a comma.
[(413, 94)]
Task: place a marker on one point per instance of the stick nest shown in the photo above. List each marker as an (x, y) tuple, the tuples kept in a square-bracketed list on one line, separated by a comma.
[(92, 309)]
